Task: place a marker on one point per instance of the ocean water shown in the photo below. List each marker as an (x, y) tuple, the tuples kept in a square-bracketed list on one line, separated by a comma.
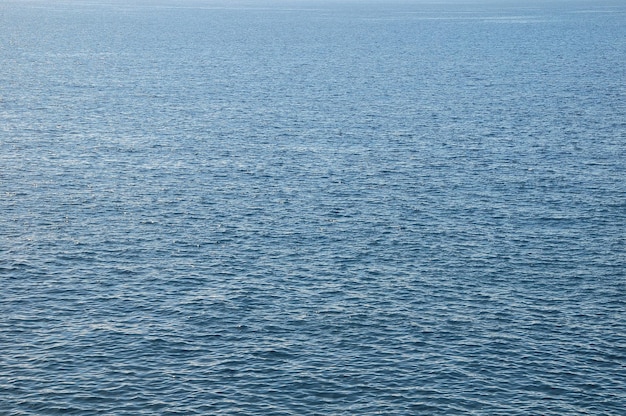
[(312, 208)]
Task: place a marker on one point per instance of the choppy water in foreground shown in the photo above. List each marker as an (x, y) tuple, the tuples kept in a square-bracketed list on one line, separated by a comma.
[(312, 208)]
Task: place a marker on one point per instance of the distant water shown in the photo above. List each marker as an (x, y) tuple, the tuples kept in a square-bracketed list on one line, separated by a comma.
[(312, 208)]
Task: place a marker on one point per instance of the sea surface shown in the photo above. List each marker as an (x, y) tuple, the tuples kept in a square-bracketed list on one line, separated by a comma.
[(312, 207)]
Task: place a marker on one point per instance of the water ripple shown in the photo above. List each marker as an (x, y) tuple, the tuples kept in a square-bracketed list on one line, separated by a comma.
[(340, 209)]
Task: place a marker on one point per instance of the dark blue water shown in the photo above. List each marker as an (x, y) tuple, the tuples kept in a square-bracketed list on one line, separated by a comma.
[(298, 208)]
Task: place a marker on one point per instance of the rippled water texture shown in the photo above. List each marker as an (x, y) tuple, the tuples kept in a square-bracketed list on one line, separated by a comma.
[(299, 208)]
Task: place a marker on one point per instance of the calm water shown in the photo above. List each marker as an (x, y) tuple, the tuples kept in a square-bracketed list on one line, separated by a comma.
[(299, 208)]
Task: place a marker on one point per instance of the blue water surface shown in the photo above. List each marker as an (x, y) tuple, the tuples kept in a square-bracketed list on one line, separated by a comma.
[(312, 207)]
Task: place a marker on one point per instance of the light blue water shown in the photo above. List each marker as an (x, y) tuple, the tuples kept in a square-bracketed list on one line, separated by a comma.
[(299, 208)]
